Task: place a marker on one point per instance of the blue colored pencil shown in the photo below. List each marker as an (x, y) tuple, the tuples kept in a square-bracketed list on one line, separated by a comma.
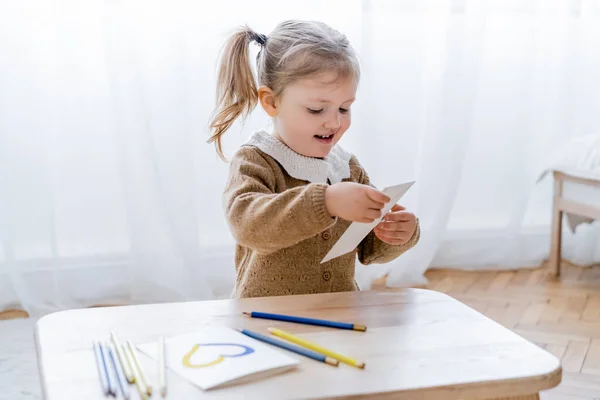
[(112, 385), (123, 384), (308, 321), (102, 371), (292, 347)]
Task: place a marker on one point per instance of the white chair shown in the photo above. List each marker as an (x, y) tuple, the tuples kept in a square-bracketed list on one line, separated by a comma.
[(584, 209)]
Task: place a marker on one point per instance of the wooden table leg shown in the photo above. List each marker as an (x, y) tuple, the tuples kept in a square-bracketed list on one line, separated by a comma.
[(557, 217)]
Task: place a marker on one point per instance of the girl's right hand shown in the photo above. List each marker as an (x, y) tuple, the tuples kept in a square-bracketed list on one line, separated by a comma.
[(354, 202)]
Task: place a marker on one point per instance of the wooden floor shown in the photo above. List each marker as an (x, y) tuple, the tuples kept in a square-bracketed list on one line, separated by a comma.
[(562, 316)]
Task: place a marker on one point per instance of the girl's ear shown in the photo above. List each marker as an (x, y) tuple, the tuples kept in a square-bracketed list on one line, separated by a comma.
[(267, 101)]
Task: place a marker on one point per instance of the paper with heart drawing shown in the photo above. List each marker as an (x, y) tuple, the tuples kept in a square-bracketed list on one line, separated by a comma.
[(357, 231), (217, 356)]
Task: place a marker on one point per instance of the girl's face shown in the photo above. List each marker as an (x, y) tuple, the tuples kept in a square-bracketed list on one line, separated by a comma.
[(314, 113)]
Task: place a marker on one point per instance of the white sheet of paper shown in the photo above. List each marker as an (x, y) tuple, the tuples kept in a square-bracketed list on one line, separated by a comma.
[(357, 231), (222, 358)]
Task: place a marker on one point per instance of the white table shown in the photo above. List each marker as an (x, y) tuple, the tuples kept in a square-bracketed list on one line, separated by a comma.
[(420, 344)]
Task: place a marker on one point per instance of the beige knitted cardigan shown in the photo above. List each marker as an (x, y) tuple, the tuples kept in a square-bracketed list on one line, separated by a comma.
[(275, 206)]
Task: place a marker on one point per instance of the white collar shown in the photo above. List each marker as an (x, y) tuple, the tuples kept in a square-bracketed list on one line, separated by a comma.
[(335, 166)]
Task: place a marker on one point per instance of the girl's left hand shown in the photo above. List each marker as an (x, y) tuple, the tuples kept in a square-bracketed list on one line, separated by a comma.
[(397, 227)]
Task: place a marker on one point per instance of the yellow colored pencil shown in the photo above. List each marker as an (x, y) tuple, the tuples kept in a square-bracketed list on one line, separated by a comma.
[(138, 366), (141, 388), (309, 345), (122, 359)]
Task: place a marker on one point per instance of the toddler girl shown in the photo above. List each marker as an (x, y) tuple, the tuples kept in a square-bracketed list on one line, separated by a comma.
[(293, 191)]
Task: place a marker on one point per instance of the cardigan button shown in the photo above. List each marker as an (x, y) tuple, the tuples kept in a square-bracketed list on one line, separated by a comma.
[(326, 235), (326, 275)]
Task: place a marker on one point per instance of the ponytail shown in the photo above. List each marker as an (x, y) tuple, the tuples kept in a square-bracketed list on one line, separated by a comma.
[(237, 92)]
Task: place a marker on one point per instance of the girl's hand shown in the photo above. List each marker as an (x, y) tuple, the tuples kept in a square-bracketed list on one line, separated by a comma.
[(397, 227), (354, 202)]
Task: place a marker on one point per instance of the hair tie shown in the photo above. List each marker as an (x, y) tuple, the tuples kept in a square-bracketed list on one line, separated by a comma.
[(259, 38)]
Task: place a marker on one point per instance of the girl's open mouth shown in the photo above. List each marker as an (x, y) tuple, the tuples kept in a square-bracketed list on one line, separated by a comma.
[(324, 138)]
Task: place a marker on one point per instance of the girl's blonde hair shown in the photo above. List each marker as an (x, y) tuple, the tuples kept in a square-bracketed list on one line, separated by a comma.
[(294, 50)]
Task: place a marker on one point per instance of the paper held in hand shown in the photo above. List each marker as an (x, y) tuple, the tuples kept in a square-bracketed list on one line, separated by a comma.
[(357, 231)]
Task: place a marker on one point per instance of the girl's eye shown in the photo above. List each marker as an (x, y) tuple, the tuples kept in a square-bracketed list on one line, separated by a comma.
[(310, 110), (344, 110)]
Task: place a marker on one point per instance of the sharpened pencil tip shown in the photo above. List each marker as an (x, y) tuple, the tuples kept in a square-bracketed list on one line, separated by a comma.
[(332, 361), (246, 313)]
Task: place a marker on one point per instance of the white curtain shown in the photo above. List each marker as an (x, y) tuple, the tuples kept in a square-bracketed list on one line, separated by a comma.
[(110, 194)]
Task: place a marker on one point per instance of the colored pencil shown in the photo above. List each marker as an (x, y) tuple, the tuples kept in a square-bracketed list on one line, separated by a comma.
[(121, 379), (138, 366), (112, 383), (316, 347), (296, 349), (124, 364), (307, 321), (162, 367), (102, 371), (137, 379)]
